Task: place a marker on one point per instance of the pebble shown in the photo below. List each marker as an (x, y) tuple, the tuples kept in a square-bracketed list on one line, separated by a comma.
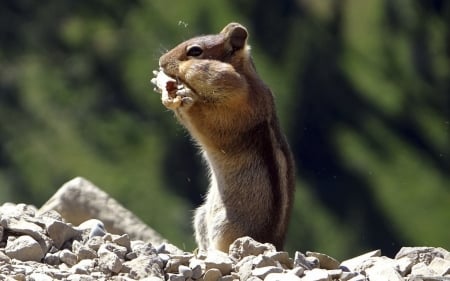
[(43, 247)]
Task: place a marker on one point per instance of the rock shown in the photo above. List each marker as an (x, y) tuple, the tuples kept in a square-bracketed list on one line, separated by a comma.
[(282, 257), (60, 232), (197, 267), (24, 248), (93, 227), (421, 269), (421, 254), (383, 272), (79, 200), (246, 246), (109, 261), (262, 272), (352, 263), (185, 271), (316, 274), (4, 258), (219, 260), (282, 277), (39, 277), (404, 265), (300, 261), (440, 266), (212, 274), (68, 257), (325, 261)]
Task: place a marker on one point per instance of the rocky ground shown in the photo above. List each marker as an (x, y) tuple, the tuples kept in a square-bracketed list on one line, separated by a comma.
[(43, 245)]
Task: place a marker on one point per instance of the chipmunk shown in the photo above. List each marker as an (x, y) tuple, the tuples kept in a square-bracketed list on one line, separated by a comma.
[(211, 84)]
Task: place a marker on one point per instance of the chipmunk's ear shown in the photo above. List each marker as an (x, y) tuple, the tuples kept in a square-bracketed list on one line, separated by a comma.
[(236, 35)]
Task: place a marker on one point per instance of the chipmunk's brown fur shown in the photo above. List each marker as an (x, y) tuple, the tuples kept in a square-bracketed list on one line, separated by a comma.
[(230, 113)]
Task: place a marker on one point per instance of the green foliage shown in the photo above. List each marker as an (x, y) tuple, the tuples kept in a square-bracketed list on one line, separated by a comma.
[(362, 90)]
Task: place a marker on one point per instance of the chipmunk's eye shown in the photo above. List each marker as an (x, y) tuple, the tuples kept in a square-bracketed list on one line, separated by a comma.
[(194, 51)]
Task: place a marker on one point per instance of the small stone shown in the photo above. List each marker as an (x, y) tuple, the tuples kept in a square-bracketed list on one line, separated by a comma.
[(263, 261), (282, 277), (298, 271), (421, 254), (316, 274), (185, 271), (68, 257), (300, 261), (113, 248), (197, 267), (246, 246), (335, 273), (24, 248), (94, 227), (110, 261), (212, 274), (175, 277), (326, 262), (440, 266), (404, 265), (80, 277), (421, 269), (124, 241), (345, 276), (95, 242), (4, 258), (52, 259), (60, 232), (358, 277), (219, 260), (85, 252), (39, 277), (262, 272), (352, 263), (281, 257), (382, 272), (313, 262)]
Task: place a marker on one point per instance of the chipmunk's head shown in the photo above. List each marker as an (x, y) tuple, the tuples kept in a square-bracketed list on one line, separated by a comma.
[(229, 46)]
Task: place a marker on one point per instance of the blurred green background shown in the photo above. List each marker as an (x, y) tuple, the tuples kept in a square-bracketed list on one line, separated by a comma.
[(362, 91)]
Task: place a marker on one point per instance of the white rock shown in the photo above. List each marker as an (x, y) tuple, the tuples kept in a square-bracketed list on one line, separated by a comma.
[(440, 266), (353, 263), (421, 269), (219, 260), (383, 272), (404, 265), (262, 272), (282, 277), (325, 261), (39, 277), (316, 275), (24, 248)]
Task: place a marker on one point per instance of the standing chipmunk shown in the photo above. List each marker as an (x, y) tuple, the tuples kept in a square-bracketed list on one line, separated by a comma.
[(211, 84)]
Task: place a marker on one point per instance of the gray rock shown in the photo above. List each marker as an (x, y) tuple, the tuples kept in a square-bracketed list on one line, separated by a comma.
[(68, 257), (300, 261), (325, 261), (24, 248), (197, 266), (404, 265), (79, 200), (175, 277), (60, 232), (145, 266), (4, 258), (109, 262), (185, 271)]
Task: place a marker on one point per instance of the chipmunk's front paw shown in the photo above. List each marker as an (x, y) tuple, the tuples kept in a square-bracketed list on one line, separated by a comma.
[(173, 93)]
